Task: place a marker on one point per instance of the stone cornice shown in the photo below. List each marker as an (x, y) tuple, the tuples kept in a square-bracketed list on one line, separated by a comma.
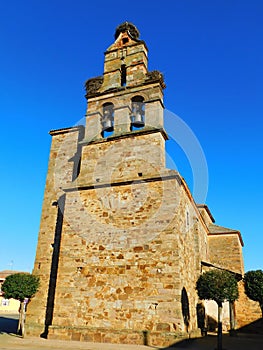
[(171, 174), (204, 206), (144, 131), (228, 233), (65, 130), (124, 89)]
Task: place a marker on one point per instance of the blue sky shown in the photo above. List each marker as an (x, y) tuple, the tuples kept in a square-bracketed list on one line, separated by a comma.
[(211, 54)]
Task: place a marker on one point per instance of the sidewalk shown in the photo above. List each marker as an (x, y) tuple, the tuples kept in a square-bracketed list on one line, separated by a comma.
[(10, 341), (240, 342)]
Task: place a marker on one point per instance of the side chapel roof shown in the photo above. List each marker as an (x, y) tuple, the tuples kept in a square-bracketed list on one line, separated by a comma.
[(220, 230)]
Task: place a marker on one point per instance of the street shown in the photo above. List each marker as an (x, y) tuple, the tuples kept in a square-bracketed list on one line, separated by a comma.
[(9, 340)]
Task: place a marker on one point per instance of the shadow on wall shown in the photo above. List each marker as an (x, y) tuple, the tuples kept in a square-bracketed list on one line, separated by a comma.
[(54, 266), (255, 327), (211, 324), (205, 322), (185, 309), (8, 324), (210, 342), (252, 338)]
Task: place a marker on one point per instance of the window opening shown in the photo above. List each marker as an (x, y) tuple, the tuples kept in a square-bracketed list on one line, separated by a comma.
[(138, 112), (5, 302), (107, 120), (123, 74), (187, 219)]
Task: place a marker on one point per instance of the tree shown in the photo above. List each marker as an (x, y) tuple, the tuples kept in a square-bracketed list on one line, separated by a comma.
[(21, 286), (220, 286), (253, 282)]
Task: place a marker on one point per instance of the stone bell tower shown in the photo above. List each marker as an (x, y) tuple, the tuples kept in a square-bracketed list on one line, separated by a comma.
[(121, 239), (125, 76), (124, 106), (127, 87)]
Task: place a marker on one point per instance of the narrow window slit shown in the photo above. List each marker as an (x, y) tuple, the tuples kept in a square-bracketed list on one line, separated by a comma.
[(123, 75)]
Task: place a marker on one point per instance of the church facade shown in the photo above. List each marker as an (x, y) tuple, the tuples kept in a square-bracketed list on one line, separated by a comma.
[(122, 241)]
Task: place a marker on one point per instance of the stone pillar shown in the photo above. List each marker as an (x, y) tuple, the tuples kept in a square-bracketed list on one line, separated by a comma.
[(122, 122), (93, 128), (154, 114)]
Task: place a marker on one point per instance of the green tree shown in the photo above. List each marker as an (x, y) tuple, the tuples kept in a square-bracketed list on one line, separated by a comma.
[(253, 282), (220, 286), (20, 286)]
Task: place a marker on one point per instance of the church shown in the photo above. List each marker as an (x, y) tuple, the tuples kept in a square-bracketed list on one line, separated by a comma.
[(122, 241)]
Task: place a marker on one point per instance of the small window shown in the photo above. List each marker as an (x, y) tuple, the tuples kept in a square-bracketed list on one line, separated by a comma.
[(123, 75), (186, 220), (125, 41), (5, 302)]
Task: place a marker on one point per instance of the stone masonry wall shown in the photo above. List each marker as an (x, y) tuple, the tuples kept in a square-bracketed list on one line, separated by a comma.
[(124, 263), (225, 250), (247, 311), (122, 159), (132, 54), (121, 240), (60, 170)]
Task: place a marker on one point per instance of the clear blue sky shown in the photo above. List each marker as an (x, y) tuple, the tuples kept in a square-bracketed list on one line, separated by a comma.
[(211, 54)]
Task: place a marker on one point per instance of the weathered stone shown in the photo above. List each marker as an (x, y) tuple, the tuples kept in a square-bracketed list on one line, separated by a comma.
[(121, 238), (163, 327)]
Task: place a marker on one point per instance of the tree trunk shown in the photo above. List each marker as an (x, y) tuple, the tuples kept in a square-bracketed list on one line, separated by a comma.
[(232, 316), (219, 329), (20, 317), (21, 322)]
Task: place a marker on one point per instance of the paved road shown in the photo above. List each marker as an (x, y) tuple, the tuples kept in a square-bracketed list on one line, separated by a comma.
[(8, 323), (10, 341)]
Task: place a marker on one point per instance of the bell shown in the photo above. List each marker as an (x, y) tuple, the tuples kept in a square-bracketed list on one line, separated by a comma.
[(137, 117), (138, 120), (107, 123)]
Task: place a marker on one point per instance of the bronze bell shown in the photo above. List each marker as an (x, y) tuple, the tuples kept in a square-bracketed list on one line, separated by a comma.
[(107, 120), (137, 114)]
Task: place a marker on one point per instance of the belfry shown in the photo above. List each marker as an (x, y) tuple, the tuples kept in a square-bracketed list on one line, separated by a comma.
[(122, 241)]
